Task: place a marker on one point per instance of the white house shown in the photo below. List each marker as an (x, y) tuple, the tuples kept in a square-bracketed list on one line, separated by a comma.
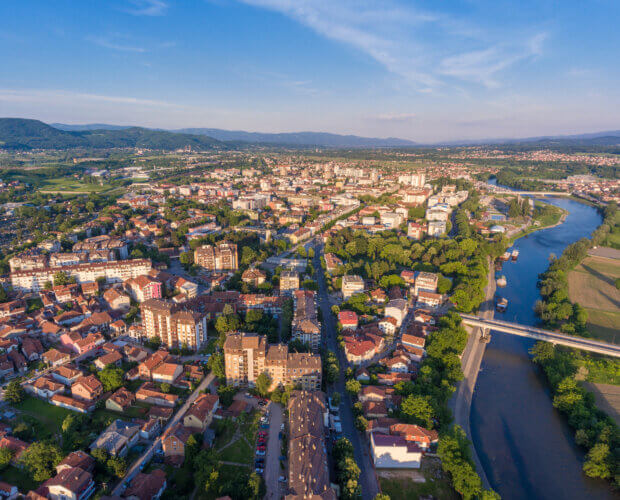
[(394, 452), (396, 309)]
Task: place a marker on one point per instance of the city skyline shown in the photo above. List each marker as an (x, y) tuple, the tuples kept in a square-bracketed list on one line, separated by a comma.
[(414, 70)]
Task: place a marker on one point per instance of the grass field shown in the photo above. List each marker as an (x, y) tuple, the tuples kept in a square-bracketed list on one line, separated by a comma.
[(399, 487), (20, 478), (49, 415), (69, 184), (592, 284)]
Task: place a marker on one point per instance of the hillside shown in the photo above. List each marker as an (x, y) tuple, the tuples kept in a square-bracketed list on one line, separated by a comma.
[(19, 133), (318, 139)]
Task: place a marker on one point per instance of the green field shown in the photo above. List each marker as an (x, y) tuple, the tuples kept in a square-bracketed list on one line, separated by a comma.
[(20, 478), (436, 485), (592, 285), (48, 415), (68, 184)]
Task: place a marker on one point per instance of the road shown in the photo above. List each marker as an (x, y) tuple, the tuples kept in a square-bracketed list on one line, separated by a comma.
[(368, 478), (150, 451), (460, 403), (272, 461)]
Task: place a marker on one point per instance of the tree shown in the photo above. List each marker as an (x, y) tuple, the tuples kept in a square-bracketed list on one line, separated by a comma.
[(382, 496), (418, 409), (598, 461), (336, 398), (353, 387), (361, 423), (263, 384), (14, 392), (216, 365), (6, 456), (117, 466), (61, 278), (111, 377), (165, 387), (40, 459)]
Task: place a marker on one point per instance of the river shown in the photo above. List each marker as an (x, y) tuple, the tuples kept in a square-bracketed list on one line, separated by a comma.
[(525, 446)]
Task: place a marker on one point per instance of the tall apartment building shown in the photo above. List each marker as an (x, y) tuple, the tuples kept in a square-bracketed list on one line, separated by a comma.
[(219, 258), (174, 325), (306, 326), (289, 281), (114, 271), (308, 475), (247, 355), (352, 284)]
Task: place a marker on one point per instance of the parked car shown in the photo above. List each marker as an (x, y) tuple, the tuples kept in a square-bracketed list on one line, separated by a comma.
[(261, 447), (282, 479), (260, 453), (264, 426), (259, 470)]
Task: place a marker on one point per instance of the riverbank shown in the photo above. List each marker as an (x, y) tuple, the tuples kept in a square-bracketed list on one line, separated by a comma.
[(526, 447), (471, 360), (532, 229)]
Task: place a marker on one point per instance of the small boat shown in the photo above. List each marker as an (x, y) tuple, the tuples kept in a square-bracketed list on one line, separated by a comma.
[(501, 281), (505, 256), (515, 254), (502, 304)]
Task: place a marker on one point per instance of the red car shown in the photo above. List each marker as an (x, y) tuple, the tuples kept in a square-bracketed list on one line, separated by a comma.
[(261, 448), (262, 434)]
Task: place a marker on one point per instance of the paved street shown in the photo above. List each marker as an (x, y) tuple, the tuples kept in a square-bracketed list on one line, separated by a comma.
[(272, 462), (368, 478), (148, 454)]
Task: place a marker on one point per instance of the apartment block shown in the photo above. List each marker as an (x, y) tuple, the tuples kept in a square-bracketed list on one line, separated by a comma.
[(247, 355), (306, 326), (174, 325), (217, 258)]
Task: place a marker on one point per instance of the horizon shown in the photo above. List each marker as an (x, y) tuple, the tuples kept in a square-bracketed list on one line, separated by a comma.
[(459, 71)]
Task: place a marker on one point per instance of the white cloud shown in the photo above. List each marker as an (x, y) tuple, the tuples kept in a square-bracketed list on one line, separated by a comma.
[(396, 117), (147, 8), (113, 43), (427, 49)]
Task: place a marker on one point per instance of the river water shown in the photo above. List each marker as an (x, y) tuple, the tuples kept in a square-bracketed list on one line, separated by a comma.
[(525, 446)]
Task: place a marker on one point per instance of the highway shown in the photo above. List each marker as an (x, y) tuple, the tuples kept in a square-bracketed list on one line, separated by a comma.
[(544, 335), (368, 479), (156, 444)]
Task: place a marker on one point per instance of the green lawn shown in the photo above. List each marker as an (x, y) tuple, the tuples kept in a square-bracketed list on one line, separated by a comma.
[(71, 184), (239, 452), (437, 484), (49, 415), (604, 325), (20, 478)]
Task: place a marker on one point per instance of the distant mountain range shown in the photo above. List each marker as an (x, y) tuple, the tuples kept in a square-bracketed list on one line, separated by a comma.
[(20, 133), (307, 139)]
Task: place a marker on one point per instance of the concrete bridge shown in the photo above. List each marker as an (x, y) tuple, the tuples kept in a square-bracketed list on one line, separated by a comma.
[(544, 335), (530, 193)]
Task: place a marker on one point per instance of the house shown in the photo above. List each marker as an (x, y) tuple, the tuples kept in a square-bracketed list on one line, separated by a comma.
[(118, 437), (200, 414), (87, 388), (253, 276), (394, 452), (425, 281), (45, 387), (79, 459), (8, 491), (116, 299), (113, 358), (150, 428), (348, 320), (143, 287), (147, 486), (397, 363), (173, 442), (374, 409), (388, 325), (121, 400), (118, 328), (135, 354), (424, 438), (148, 393), (153, 361), (351, 284), (167, 372), (17, 447), (32, 348), (71, 403), (429, 299), (72, 483), (396, 309), (66, 374), (332, 262)]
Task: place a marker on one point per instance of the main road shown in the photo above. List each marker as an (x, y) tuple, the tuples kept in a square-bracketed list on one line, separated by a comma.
[(368, 479)]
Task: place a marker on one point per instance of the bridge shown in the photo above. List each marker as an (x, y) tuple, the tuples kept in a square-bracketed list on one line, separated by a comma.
[(530, 193), (544, 335)]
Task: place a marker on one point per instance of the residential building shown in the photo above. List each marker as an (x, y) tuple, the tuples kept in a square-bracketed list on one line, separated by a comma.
[(397, 309), (394, 452), (426, 281), (72, 483), (118, 437), (147, 486), (289, 281), (200, 414), (222, 257), (352, 284), (305, 326), (174, 325)]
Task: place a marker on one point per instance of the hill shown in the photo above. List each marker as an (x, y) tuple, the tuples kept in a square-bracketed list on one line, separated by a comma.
[(308, 139), (20, 133)]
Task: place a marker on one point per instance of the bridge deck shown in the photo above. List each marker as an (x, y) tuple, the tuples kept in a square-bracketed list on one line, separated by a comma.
[(544, 335)]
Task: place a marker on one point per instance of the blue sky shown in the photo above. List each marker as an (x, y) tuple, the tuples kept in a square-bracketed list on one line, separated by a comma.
[(422, 70)]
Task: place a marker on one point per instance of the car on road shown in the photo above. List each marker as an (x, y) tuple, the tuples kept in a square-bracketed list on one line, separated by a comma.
[(282, 479)]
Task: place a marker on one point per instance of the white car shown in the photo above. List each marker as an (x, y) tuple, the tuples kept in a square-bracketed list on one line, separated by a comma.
[(260, 453)]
